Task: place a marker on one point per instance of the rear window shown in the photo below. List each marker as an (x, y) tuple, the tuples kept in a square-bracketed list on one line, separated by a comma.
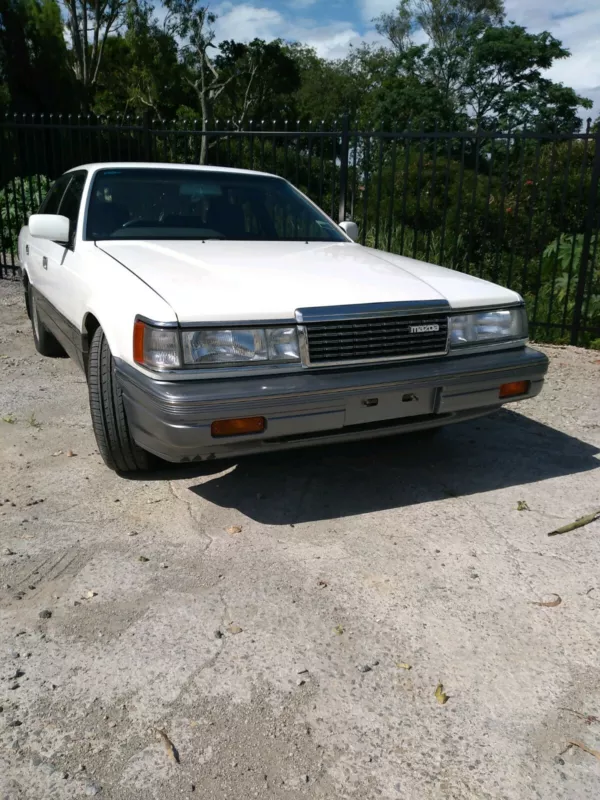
[(146, 203)]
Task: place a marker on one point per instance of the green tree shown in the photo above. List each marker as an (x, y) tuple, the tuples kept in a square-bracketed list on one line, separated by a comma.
[(90, 24), (502, 80), (483, 69), (34, 61), (141, 70), (260, 78), (395, 89), (445, 23), (193, 24), (327, 88)]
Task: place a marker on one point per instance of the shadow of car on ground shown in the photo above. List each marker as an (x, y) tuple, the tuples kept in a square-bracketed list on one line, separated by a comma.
[(502, 450)]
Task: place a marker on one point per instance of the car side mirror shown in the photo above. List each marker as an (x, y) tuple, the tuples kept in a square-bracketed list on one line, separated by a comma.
[(350, 229), (50, 226)]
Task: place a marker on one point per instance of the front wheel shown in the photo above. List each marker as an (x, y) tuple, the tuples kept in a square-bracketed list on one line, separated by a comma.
[(116, 445)]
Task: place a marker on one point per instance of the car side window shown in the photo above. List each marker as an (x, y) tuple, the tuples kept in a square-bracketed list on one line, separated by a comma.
[(71, 200), (51, 202)]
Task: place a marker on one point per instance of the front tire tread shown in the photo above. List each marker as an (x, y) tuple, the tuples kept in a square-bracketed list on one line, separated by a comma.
[(116, 445)]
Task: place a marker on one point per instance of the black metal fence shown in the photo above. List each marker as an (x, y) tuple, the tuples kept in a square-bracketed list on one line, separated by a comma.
[(518, 207)]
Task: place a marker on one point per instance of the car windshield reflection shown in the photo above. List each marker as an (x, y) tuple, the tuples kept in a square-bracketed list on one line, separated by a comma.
[(146, 203)]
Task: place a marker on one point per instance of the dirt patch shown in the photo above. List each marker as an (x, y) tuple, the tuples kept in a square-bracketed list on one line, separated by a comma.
[(275, 659)]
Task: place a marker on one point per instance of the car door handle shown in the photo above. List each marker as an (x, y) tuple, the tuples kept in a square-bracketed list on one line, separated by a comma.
[(26, 249), (45, 262)]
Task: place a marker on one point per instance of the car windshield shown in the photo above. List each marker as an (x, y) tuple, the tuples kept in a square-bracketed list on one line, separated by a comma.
[(146, 203)]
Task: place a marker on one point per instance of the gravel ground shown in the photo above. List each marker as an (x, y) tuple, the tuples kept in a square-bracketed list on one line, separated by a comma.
[(299, 657)]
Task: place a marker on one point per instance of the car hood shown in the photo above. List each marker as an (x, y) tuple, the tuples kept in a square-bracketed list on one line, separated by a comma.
[(228, 281)]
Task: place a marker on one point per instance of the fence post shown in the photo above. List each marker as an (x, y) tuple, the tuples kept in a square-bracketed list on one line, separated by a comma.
[(147, 135), (590, 220), (344, 151)]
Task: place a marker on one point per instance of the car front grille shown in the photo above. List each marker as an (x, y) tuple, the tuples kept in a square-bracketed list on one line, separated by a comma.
[(376, 339)]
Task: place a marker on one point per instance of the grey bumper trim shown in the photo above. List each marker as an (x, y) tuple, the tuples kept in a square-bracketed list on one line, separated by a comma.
[(173, 418)]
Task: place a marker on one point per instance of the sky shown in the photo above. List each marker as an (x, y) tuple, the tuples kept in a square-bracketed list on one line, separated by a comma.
[(331, 26)]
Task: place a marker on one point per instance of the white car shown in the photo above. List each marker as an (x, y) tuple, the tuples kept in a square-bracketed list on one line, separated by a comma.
[(218, 312)]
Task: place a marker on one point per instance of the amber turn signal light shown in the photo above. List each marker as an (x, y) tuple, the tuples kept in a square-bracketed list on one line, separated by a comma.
[(514, 389), (238, 427), (138, 341)]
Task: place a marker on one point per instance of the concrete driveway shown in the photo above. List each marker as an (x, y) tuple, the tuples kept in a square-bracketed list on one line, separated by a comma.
[(285, 621)]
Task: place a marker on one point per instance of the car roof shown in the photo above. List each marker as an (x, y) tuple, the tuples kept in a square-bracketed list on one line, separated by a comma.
[(94, 167)]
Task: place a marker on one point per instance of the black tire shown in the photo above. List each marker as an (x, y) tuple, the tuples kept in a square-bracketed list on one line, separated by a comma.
[(109, 420), (27, 302), (45, 342)]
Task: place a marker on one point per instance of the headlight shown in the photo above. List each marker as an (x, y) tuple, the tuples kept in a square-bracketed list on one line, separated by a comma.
[(240, 346), (156, 348), (503, 324)]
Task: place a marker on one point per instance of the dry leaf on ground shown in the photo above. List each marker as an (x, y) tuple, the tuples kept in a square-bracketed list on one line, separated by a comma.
[(89, 595), (233, 628), (169, 746), (403, 665), (440, 694), (549, 603), (587, 718), (70, 454), (232, 530), (595, 753), (339, 630), (579, 523), (522, 505)]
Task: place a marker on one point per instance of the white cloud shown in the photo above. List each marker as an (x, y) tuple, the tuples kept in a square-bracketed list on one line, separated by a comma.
[(300, 3), (578, 32), (373, 8), (245, 22), (331, 39)]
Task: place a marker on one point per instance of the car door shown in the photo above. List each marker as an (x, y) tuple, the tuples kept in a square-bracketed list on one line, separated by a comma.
[(63, 282), (36, 250)]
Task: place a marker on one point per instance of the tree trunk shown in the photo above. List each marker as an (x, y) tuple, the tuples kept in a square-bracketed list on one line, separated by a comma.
[(205, 106)]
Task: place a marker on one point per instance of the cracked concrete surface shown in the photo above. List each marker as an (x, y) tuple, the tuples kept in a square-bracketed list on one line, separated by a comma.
[(378, 555)]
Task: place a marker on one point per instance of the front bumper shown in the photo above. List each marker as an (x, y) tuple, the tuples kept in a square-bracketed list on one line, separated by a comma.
[(172, 419)]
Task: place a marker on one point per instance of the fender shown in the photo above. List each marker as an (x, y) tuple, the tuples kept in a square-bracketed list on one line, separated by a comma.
[(115, 309)]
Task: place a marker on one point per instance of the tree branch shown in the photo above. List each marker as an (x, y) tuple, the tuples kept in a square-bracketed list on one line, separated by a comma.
[(71, 6), (246, 102)]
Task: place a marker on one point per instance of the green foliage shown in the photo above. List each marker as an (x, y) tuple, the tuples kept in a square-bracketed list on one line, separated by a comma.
[(141, 70), (4, 98), (511, 210), (18, 199), (551, 298), (502, 79), (34, 61), (474, 66), (483, 68), (260, 80), (327, 88)]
